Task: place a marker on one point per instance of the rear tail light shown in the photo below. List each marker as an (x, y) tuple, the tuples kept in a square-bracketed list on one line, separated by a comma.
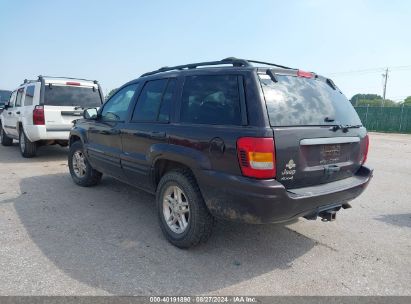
[(367, 144), (256, 157), (38, 115), (304, 74)]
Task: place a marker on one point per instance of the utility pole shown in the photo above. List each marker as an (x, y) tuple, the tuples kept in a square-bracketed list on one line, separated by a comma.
[(385, 77)]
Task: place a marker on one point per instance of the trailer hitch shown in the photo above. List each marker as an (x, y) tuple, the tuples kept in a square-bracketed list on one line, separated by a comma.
[(327, 213)]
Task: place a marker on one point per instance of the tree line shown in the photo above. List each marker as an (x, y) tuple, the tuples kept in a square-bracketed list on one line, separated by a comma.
[(375, 100)]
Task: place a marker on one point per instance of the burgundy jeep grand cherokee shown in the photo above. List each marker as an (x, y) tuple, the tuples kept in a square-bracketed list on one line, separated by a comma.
[(228, 140)]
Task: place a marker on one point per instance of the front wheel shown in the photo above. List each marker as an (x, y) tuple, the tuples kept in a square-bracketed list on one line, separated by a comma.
[(27, 148), (80, 169), (184, 217)]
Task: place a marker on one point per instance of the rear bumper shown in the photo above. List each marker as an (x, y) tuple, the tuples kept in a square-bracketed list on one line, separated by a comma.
[(36, 133), (243, 199)]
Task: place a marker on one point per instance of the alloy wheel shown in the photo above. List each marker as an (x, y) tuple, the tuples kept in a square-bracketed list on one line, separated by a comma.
[(176, 210), (79, 164)]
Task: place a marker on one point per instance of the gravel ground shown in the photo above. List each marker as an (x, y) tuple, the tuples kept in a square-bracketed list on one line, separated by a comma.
[(60, 239)]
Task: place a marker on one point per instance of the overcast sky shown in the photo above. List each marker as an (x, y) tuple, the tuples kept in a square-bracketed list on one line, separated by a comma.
[(116, 41)]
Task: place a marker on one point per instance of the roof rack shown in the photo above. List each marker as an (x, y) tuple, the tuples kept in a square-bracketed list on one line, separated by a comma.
[(42, 76), (231, 60), (272, 64), (28, 81), (236, 62)]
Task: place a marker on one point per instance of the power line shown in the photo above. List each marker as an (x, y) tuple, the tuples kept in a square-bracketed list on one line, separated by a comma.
[(373, 70)]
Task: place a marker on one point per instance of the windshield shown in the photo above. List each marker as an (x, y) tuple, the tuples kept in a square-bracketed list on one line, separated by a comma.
[(297, 101), (4, 96), (84, 97)]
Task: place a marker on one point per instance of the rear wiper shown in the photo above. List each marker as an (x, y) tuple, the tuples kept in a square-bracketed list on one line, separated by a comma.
[(344, 128), (331, 84), (272, 75)]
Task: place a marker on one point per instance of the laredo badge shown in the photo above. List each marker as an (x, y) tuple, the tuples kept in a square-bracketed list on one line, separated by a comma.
[(289, 171)]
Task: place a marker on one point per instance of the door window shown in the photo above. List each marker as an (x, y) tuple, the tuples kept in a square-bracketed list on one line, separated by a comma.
[(19, 97), (149, 101), (28, 100), (165, 108), (213, 100), (12, 99), (116, 108)]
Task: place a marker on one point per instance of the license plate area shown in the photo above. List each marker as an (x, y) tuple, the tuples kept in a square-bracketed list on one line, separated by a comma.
[(330, 154), (320, 155)]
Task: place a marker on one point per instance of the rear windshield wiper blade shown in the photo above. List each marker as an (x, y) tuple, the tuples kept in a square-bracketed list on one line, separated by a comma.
[(272, 75), (344, 128)]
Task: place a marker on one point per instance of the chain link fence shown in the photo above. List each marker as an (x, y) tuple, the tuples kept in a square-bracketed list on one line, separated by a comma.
[(386, 119)]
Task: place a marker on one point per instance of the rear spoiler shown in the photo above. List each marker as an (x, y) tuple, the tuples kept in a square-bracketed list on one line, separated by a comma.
[(293, 72)]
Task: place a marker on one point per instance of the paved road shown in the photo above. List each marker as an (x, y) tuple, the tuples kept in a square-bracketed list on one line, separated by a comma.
[(60, 239)]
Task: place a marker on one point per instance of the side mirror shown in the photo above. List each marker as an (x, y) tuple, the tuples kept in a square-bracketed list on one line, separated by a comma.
[(6, 106), (90, 113)]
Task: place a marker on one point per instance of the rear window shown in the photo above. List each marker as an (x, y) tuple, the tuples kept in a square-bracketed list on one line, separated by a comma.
[(212, 100), (297, 101), (84, 97)]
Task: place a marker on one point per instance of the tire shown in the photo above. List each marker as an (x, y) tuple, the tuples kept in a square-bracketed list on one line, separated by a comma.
[(80, 169), (5, 140), (28, 149), (199, 221)]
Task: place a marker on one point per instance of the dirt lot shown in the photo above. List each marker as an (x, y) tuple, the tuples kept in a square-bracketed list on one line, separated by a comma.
[(59, 239)]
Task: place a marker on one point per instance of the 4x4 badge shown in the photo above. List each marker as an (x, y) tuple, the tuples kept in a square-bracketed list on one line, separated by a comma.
[(291, 165)]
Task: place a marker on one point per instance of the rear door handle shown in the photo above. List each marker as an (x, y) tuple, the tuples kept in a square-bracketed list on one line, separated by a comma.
[(18, 112), (9, 113)]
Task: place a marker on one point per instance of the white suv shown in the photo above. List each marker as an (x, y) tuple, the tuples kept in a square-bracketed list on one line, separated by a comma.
[(41, 112)]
